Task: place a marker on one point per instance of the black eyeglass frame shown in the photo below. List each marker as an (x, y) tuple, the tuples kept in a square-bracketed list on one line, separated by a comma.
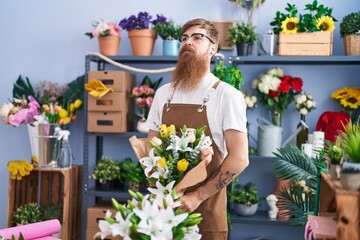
[(201, 34)]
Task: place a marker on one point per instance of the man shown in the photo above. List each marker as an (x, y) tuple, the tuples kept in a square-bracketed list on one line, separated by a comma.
[(195, 97)]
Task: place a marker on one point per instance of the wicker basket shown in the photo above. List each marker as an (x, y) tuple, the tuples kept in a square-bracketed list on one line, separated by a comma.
[(352, 45)]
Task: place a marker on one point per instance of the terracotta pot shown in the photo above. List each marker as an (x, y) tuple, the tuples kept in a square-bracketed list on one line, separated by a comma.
[(142, 41), (109, 45)]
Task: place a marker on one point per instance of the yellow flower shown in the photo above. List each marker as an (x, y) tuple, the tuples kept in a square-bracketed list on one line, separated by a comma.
[(163, 130), (288, 26), (341, 93), (77, 103), (325, 23), (182, 165), (162, 162), (171, 129), (64, 121), (351, 101), (72, 107), (63, 113)]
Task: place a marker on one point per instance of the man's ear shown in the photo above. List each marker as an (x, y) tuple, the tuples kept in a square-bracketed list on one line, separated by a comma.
[(214, 48)]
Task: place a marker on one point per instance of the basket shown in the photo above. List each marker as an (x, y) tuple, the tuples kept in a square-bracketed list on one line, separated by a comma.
[(352, 45)]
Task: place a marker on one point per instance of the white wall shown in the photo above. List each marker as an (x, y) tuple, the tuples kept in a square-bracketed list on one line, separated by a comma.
[(44, 39)]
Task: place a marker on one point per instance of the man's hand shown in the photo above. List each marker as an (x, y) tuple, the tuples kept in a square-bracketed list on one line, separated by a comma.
[(190, 201)]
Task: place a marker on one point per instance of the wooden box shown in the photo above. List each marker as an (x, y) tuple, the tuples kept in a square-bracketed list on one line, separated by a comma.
[(306, 44), (57, 186), (111, 102), (114, 122), (119, 81), (223, 27)]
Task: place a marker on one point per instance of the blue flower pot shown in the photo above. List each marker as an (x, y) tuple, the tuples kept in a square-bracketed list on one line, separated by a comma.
[(171, 47)]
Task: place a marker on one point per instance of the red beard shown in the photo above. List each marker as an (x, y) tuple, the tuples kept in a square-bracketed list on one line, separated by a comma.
[(189, 70)]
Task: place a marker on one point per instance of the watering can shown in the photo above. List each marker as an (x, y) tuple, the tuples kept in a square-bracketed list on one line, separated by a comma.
[(270, 137)]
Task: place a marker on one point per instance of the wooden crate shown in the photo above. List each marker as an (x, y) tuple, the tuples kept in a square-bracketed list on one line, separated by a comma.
[(306, 44), (57, 186), (223, 27)]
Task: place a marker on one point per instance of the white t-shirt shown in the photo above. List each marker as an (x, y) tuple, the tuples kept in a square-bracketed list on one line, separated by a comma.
[(226, 107)]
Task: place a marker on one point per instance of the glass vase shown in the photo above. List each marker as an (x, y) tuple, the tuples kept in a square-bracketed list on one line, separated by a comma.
[(276, 117), (303, 134)]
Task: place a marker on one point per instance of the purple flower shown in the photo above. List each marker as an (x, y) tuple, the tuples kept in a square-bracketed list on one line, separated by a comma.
[(141, 21)]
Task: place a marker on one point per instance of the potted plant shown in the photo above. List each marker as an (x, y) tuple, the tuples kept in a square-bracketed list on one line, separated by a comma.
[(52, 211), (105, 172), (170, 34), (132, 173), (229, 74), (243, 35), (108, 34), (245, 198), (350, 32), (142, 36), (334, 154), (27, 213)]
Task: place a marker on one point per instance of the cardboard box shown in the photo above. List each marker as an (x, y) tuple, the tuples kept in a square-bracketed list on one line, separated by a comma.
[(223, 27), (111, 102), (90, 233), (306, 44), (111, 122), (119, 81)]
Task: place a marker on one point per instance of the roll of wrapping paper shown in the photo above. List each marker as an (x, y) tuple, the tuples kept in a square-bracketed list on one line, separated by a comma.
[(33, 231)]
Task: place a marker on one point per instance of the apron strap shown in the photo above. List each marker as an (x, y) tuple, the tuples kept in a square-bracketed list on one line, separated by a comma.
[(205, 99)]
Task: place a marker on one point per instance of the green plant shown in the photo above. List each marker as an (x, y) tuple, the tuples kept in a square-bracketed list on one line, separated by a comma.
[(350, 24), (242, 33), (106, 169), (244, 194), (27, 213), (21, 237), (52, 211), (131, 171), (319, 18), (334, 151), (229, 74), (303, 172), (350, 141), (168, 30)]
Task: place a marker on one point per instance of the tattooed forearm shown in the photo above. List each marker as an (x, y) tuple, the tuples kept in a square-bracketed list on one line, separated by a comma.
[(224, 179)]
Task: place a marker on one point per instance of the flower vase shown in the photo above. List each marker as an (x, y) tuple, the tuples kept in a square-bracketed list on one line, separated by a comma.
[(276, 117), (109, 45), (142, 127)]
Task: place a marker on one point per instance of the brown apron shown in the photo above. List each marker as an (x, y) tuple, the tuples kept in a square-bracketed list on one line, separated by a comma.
[(213, 210)]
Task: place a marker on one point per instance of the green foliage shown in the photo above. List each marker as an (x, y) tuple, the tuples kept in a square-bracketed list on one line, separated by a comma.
[(334, 151), (242, 33), (229, 74), (292, 164), (106, 169), (28, 213), (307, 21), (244, 194), (131, 171), (350, 141), (350, 24), (52, 211), (23, 88), (168, 30), (75, 90)]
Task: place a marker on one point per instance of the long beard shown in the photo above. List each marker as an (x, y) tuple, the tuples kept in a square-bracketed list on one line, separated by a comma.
[(189, 70)]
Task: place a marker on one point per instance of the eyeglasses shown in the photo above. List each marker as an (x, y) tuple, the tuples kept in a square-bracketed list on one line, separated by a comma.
[(195, 37)]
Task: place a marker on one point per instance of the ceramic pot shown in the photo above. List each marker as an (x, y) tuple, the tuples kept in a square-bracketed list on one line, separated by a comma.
[(171, 47), (334, 170), (350, 181), (243, 49), (245, 209), (142, 41), (109, 45)]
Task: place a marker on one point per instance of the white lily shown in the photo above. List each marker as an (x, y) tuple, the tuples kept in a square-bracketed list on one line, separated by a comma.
[(160, 191), (149, 162)]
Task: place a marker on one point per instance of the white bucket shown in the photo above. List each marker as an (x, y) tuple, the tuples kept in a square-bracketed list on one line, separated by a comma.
[(269, 138)]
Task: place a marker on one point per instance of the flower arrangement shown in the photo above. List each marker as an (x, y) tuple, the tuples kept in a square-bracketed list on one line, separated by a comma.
[(319, 18), (172, 157), (47, 103), (103, 29), (142, 21), (148, 218), (277, 91), (305, 103), (349, 99), (144, 96)]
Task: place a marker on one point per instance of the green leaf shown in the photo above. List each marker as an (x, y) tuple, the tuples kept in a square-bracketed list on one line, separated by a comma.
[(23, 88)]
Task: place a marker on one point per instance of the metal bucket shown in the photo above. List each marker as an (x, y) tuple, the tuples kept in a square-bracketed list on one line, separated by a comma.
[(44, 145), (269, 138)]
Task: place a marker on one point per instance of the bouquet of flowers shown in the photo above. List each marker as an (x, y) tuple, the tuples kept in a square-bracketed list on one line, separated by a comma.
[(144, 96), (305, 103), (103, 29), (277, 91), (173, 160), (349, 99), (148, 218), (47, 103)]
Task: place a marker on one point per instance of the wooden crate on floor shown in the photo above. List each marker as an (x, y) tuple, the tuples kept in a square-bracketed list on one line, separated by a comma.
[(58, 186)]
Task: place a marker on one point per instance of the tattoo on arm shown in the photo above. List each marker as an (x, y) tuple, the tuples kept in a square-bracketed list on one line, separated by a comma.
[(224, 179)]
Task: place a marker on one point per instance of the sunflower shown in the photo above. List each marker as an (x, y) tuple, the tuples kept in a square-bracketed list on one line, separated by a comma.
[(325, 23), (341, 93), (351, 101), (288, 26)]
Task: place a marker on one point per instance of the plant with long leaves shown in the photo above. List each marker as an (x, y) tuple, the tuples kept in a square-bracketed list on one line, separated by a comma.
[(302, 172)]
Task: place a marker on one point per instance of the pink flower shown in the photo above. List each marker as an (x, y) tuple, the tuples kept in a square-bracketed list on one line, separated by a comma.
[(191, 136), (136, 91), (157, 141), (140, 102), (149, 101), (144, 89), (114, 30)]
